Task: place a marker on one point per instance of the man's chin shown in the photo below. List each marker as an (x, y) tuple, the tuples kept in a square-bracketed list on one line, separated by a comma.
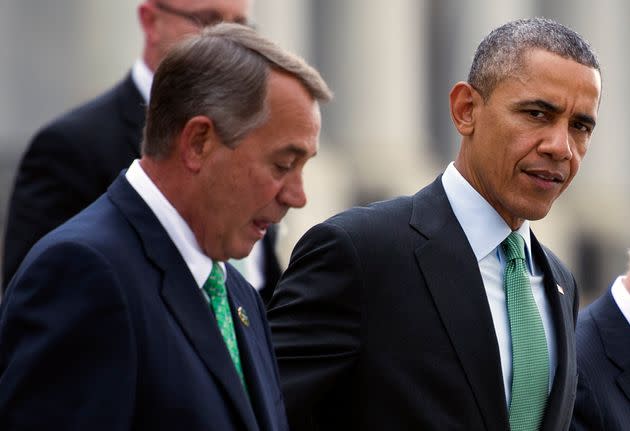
[(242, 251)]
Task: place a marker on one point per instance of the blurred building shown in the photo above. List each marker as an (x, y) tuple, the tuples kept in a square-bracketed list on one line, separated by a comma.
[(388, 131)]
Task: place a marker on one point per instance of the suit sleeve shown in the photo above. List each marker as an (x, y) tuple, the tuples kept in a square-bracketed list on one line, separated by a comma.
[(587, 411), (279, 414), (586, 415), (50, 187), (315, 318), (67, 356)]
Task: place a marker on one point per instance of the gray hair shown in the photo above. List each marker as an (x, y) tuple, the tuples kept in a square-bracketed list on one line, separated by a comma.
[(220, 73), (500, 54)]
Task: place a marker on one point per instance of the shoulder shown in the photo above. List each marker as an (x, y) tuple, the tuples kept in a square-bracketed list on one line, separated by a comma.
[(352, 233), (394, 221), (376, 216), (81, 123), (61, 267), (92, 110), (100, 227), (588, 340), (595, 369), (93, 250), (395, 210)]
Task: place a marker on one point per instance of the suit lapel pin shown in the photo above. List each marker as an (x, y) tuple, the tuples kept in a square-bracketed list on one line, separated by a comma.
[(560, 289), (243, 316)]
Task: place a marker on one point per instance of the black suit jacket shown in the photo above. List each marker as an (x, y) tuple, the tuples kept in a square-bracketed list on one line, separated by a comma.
[(72, 161), (381, 321), (104, 328), (603, 355), (69, 164)]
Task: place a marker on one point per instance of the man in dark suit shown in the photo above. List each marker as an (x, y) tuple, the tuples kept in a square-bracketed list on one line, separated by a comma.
[(127, 317), (73, 160), (398, 315), (603, 357)]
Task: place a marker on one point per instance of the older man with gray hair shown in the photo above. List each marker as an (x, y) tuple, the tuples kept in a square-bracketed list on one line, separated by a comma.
[(127, 317)]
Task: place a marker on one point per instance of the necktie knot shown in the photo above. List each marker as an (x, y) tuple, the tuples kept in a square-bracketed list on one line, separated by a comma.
[(214, 285), (513, 246)]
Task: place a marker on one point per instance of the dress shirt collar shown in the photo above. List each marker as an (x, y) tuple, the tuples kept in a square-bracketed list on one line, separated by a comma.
[(622, 297), (177, 229), (483, 226), (143, 78)]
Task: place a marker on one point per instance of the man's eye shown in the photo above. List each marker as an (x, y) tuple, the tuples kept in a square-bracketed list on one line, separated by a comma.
[(536, 114), (283, 168), (581, 127)]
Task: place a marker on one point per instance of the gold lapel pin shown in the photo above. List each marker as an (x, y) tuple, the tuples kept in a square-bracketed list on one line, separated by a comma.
[(560, 289), (243, 316)]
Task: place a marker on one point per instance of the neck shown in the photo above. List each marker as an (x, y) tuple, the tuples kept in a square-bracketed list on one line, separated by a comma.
[(151, 59)]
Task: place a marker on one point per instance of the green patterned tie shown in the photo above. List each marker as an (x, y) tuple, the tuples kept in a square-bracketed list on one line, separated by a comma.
[(530, 359), (217, 294)]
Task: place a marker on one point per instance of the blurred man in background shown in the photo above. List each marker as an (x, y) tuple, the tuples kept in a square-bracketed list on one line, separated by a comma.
[(127, 316), (72, 161), (603, 355)]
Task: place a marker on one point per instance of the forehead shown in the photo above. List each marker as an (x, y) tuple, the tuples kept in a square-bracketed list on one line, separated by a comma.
[(293, 120), (232, 7), (287, 96), (555, 79)]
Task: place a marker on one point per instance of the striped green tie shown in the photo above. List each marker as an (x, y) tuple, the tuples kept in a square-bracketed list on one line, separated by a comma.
[(217, 294), (530, 359)]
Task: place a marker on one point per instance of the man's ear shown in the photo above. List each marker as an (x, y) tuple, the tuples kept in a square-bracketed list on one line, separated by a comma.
[(196, 141), (147, 18), (464, 99)]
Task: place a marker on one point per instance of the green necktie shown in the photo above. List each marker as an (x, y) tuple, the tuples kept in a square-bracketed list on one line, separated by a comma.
[(530, 359), (217, 294)]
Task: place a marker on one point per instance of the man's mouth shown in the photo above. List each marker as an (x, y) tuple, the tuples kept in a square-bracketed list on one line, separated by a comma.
[(545, 175), (261, 226)]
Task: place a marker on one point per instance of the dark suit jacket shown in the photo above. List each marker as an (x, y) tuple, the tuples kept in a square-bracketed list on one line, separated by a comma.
[(603, 355), (104, 328), (381, 321), (72, 161), (69, 164)]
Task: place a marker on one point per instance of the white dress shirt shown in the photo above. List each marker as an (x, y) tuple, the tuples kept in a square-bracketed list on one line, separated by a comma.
[(143, 78), (622, 297), (485, 230), (251, 266)]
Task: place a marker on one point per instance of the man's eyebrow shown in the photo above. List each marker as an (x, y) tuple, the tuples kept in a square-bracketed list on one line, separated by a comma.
[(294, 149), (542, 104), (550, 107)]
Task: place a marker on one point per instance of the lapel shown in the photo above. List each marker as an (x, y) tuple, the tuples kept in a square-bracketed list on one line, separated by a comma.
[(132, 109), (244, 312), (453, 278), (182, 296), (615, 335), (562, 309)]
